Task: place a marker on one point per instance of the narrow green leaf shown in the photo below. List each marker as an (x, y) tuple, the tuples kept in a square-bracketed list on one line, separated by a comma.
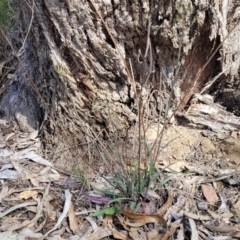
[(164, 182), (98, 213), (112, 210), (132, 205), (137, 207), (107, 211), (107, 192), (117, 200)]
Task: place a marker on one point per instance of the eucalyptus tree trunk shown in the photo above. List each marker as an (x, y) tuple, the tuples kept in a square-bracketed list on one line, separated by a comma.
[(74, 63)]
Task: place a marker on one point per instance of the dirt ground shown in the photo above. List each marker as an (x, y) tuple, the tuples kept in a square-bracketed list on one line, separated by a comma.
[(195, 144), (201, 159)]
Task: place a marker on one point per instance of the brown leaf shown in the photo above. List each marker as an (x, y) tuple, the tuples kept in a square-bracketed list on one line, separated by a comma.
[(138, 235), (143, 218), (237, 235), (123, 235), (152, 233), (178, 166), (209, 193), (5, 191), (49, 207), (161, 211), (26, 194), (9, 136), (99, 233), (223, 229), (171, 231), (8, 222), (15, 207), (106, 220), (123, 222), (225, 215), (72, 218), (237, 208)]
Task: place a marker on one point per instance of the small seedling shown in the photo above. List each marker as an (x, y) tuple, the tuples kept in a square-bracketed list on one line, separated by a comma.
[(128, 195)]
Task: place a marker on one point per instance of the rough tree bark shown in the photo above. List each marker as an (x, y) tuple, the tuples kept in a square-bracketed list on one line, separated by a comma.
[(70, 76)]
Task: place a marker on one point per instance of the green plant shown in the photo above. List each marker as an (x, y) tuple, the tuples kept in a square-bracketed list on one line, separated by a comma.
[(97, 104), (60, 70), (4, 7), (132, 174), (131, 182), (8, 16)]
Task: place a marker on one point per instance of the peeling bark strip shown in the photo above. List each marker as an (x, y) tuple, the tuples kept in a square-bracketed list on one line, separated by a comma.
[(205, 112), (82, 78)]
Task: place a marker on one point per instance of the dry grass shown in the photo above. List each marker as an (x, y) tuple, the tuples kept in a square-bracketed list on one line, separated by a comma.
[(129, 161)]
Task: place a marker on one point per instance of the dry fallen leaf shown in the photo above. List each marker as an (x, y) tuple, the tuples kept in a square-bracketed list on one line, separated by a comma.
[(209, 193), (171, 230), (152, 194), (9, 136), (9, 174), (194, 230), (36, 158), (68, 197), (237, 208), (143, 218), (180, 233), (223, 229), (217, 216), (6, 152), (173, 166), (27, 194), (138, 234), (39, 213), (236, 235), (27, 233), (123, 235), (92, 222), (33, 135), (48, 207), (152, 234), (5, 190), (72, 218), (163, 209), (197, 216), (57, 237), (123, 222), (99, 233), (6, 223), (21, 205)]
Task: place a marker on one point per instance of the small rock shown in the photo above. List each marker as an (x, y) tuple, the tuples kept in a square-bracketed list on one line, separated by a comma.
[(222, 136), (202, 205)]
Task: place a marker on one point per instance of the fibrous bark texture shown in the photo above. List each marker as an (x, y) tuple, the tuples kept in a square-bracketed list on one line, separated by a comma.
[(72, 73)]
